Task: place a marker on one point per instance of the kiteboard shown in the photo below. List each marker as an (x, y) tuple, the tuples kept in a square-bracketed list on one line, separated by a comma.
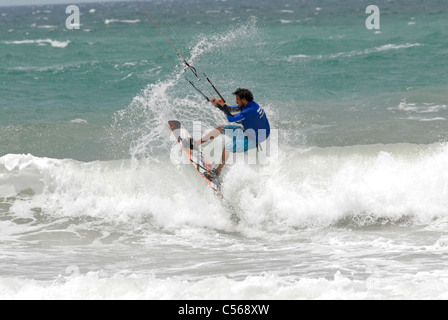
[(196, 158)]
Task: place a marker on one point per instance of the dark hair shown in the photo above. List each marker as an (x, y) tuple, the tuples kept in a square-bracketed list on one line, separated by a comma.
[(244, 94)]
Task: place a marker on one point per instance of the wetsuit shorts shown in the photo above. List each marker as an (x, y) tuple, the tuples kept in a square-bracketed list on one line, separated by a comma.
[(240, 142)]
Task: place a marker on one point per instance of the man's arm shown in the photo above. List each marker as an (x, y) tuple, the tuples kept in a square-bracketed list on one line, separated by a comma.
[(235, 118), (222, 106)]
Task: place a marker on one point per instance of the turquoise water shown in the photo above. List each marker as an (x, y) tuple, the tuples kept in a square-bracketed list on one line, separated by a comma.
[(315, 65), (95, 204)]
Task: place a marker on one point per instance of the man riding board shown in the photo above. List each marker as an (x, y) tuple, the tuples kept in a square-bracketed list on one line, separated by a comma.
[(254, 128)]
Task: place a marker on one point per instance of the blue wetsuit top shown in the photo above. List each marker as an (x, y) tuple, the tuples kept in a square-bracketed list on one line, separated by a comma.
[(254, 120)]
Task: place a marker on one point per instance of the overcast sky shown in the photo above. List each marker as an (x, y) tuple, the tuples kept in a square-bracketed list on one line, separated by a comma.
[(36, 2)]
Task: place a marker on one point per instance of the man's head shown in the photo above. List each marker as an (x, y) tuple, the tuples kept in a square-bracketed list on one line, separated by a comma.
[(243, 97)]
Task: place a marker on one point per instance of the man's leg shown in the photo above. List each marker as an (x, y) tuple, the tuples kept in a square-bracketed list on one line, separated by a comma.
[(225, 156), (210, 136)]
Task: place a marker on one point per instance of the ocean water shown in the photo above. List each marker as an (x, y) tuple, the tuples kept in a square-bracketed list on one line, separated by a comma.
[(93, 204)]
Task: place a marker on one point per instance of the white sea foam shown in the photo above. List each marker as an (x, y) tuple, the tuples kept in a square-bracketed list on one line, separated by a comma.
[(420, 107), (291, 58), (295, 239), (322, 186), (79, 121), (318, 187), (47, 27), (114, 191), (386, 47), (432, 119), (426, 119), (109, 21), (354, 53), (99, 285), (42, 42)]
